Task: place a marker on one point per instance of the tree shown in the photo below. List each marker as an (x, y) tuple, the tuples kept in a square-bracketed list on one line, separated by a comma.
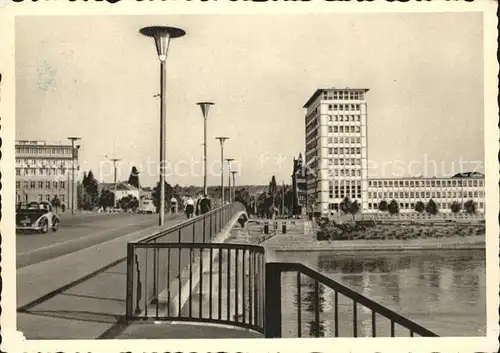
[(455, 207), (264, 203), (431, 207), (345, 205), (91, 188), (419, 207), (128, 202), (107, 198), (87, 203), (354, 209), (393, 207), (289, 201), (382, 206), (273, 187), (470, 207), (133, 179), (348, 206), (242, 196), (156, 195)]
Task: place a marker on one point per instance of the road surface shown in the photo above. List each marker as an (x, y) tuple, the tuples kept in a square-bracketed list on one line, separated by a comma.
[(79, 232)]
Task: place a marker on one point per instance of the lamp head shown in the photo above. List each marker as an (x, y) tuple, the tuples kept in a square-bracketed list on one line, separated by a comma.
[(222, 138), (205, 107), (162, 35)]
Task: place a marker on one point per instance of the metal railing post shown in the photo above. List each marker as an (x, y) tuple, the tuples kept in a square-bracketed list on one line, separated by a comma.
[(272, 301), (130, 282)]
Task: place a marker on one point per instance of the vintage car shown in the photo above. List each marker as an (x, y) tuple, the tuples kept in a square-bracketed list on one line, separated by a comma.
[(147, 206), (36, 216)]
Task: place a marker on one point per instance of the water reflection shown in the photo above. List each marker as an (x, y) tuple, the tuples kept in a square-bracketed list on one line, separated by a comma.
[(444, 292)]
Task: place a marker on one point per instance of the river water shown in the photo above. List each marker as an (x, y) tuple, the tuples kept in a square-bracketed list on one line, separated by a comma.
[(443, 291)]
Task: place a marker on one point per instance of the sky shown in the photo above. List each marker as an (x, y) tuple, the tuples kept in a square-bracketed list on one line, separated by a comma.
[(95, 77)]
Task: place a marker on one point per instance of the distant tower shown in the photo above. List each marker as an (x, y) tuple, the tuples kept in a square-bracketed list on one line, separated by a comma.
[(298, 185), (336, 153)]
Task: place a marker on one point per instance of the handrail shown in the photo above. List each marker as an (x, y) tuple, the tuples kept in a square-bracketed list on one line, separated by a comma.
[(184, 224), (274, 270), (257, 248)]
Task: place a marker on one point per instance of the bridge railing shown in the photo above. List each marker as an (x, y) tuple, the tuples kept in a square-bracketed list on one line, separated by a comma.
[(220, 283), (342, 322), (149, 273)]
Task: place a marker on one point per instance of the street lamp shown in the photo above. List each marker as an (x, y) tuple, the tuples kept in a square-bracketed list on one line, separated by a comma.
[(73, 139), (221, 140), (162, 35), (233, 172), (205, 108), (229, 160), (114, 160)]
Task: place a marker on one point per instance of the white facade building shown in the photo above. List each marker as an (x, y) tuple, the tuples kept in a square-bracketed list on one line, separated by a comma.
[(336, 148)]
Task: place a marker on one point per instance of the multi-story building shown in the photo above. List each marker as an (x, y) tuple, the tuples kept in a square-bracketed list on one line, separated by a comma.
[(299, 185), (443, 191), (336, 155), (44, 171), (336, 158)]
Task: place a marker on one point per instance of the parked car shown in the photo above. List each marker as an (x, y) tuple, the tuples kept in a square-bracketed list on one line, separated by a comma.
[(147, 206), (37, 216)]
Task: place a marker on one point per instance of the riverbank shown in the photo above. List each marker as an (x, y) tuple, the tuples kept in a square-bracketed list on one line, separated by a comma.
[(300, 242)]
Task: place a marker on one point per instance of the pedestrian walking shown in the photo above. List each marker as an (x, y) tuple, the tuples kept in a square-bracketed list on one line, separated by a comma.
[(198, 199), (173, 205), (205, 204), (189, 207)]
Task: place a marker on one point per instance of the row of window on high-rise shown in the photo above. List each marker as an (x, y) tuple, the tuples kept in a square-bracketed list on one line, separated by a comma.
[(40, 172), (342, 129), (41, 184), (427, 183), (44, 150), (345, 190), (411, 205), (343, 107), (344, 118), (344, 150), (344, 139), (344, 161), (342, 195), (424, 194), (346, 172), (343, 95)]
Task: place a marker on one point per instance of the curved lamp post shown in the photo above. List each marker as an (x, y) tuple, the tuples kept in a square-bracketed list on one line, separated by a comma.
[(221, 140), (162, 36), (233, 172), (229, 160), (114, 160), (74, 148), (205, 108)]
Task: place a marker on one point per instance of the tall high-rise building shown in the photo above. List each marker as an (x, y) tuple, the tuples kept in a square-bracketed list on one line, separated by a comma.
[(336, 160), (44, 171), (336, 153)]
